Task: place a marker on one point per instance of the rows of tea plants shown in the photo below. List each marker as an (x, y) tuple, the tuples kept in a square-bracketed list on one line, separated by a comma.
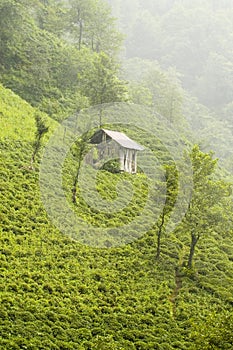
[(59, 294)]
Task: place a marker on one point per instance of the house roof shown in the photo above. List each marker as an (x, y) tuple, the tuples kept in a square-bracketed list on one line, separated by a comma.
[(123, 140)]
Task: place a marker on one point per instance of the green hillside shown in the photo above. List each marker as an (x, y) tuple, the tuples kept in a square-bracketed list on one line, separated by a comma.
[(59, 294), (95, 260)]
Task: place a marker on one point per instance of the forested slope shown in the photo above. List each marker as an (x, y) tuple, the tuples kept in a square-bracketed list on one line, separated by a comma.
[(51, 61)]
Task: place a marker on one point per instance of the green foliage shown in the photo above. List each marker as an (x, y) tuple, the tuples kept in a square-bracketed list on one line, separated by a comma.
[(208, 202), (41, 64), (112, 166), (59, 294), (90, 24), (98, 81), (153, 86), (214, 332), (41, 130), (140, 95), (171, 183)]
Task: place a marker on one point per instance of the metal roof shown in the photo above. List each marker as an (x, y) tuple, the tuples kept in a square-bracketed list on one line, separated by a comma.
[(123, 140)]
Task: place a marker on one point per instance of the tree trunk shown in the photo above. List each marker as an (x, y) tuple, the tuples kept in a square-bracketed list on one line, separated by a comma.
[(159, 236), (37, 146), (80, 24), (80, 35), (74, 189), (80, 157), (158, 245), (193, 244)]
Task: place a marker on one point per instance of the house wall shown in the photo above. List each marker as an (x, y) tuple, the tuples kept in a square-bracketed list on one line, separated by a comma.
[(128, 160), (107, 148)]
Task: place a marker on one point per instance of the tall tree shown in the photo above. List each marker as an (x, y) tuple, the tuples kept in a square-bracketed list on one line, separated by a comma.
[(166, 91), (207, 207), (171, 177), (90, 24), (41, 130), (80, 148), (100, 83), (50, 15), (39, 62)]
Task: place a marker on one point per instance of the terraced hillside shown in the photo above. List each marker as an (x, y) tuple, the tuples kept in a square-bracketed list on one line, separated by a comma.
[(59, 294)]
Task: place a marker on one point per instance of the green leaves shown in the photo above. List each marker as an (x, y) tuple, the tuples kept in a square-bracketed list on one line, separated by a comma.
[(41, 130), (208, 199), (98, 80), (90, 24), (214, 332), (39, 59)]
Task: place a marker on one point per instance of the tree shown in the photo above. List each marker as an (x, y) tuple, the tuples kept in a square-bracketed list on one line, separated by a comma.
[(207, 206), (51, 16), (41, 130), (99, 82), (90, 24), (214, 87), (170, 198), (40, 63), (140, 95), (163, 88), (166, 91), (144, 40), (11, 17), (81, 147)]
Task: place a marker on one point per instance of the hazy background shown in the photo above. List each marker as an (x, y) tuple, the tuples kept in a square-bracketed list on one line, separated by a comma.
[(191, 42)]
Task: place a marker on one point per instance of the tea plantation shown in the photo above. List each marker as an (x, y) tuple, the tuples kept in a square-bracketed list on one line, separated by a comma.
[(57, 293)]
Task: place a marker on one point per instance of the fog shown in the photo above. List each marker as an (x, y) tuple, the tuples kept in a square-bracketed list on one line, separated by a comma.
[(194, 40)]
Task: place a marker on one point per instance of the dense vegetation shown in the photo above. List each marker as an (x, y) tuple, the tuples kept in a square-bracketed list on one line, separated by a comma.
[(164, 289), (43, 63), (58, 294)]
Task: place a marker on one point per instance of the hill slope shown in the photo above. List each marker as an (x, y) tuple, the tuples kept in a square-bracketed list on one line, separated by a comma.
[(58, 294)]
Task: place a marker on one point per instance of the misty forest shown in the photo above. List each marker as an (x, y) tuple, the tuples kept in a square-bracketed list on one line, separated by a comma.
[(116, 161)]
